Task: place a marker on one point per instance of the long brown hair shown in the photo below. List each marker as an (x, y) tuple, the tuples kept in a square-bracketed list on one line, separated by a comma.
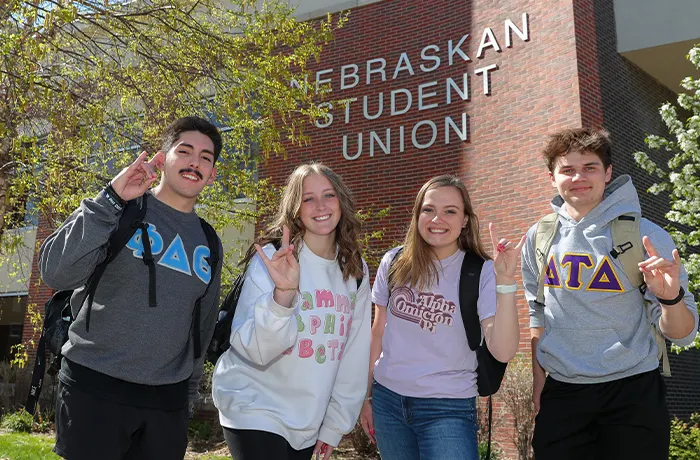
[(346, 232), (414, 266)]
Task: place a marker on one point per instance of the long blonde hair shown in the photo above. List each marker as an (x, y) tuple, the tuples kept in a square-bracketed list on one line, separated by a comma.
[(414, 266), (346, 232)]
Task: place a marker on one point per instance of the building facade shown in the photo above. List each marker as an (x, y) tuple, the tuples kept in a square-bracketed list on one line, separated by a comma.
[(421, 88)]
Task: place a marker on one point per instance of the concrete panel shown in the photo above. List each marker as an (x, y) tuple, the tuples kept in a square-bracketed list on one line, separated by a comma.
[(649, 23), (17, 267), (309, 9)]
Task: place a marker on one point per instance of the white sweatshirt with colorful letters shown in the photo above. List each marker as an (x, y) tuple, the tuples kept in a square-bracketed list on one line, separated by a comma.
[(299, 372)]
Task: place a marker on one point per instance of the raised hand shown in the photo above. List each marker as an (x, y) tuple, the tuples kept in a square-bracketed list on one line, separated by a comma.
[(505, 255), (283, 267), (661, 276), (135, 179)]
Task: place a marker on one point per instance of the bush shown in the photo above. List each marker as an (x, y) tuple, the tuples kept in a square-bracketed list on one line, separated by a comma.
[(685, 439), (15, 382), (205, 382), (20, 421), (200, 430), (495, 451), (516, 395)]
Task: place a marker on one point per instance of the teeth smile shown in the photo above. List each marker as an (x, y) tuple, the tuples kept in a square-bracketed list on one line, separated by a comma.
[(190, 177), (435, 230), (323, 217)]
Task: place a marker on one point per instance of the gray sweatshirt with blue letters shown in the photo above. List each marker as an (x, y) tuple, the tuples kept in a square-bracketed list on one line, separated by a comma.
[(128, 340)]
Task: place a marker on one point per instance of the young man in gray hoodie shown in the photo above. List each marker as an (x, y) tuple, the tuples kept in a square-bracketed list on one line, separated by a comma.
[(125, 385), (604, 397)]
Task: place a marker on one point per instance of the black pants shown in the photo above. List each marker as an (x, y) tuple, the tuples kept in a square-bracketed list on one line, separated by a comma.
[(90, 428), (618, 420), (261, 445)]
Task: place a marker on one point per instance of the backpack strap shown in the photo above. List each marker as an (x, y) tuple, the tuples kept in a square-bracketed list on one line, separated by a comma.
[(214, 257), (388, 272), (629, 250), (469, 279), (544, 236), (628, 247), (130, 220)]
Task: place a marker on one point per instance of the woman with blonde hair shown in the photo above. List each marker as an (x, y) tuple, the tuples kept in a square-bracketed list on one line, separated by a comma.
[(293, 382), (422, 397)]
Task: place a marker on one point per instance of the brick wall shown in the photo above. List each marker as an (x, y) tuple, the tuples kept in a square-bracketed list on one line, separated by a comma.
[(534, 91), (39, 293), (631, 100), (568, 74)]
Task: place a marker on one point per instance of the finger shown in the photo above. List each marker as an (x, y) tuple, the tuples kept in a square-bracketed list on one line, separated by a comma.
[(139, 160), (520, 245), (262, 254), (328, 451), (659, 264), (365, 425), (285, 237), (651, 250), (291, 259), (157, 159), (317, 449), (148, 170), (493, 238), (676, 257)]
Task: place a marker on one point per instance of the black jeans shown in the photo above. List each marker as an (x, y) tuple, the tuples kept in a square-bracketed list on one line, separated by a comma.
[(89, 427), (618, 420), (261, 445)]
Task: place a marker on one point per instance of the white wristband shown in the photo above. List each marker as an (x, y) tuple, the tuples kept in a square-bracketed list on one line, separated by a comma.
[(506, 288)]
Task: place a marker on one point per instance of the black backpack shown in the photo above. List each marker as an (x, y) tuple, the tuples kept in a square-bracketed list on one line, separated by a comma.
[(221, 340), (58, 315), (489, 371)]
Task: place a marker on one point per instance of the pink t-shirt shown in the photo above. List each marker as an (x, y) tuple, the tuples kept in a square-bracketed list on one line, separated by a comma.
[(425, 353)]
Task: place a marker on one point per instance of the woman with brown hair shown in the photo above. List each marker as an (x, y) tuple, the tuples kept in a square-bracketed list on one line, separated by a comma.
[(422, 398), (293, 381)]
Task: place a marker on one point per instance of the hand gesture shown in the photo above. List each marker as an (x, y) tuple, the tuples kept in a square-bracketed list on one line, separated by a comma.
[(367, 421), (322, 451), (661, 276), (506, 256), (283, 267), (135, 179)]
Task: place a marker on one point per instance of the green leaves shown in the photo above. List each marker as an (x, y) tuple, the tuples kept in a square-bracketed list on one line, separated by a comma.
[(680, 177), (87, 85)]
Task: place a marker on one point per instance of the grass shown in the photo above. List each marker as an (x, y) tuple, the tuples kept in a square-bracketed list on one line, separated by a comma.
[(25, 446)]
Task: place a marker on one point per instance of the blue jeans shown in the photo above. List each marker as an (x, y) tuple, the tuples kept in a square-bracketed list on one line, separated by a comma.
[(409, 428)]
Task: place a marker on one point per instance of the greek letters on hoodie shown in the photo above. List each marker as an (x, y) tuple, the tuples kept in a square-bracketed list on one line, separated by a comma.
[(595, 324), (299, 372), (128, 340)]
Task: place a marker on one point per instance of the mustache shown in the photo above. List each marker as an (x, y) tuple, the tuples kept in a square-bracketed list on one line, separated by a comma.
[(193, 171)]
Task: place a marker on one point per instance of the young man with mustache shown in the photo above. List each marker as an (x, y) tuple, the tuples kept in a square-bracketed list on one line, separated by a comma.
[(125, 381)]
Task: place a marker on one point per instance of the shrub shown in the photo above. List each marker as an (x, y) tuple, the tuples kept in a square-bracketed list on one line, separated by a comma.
[(200, 430), (685, 439), (20, 421), (495, 451), (516, 395)]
